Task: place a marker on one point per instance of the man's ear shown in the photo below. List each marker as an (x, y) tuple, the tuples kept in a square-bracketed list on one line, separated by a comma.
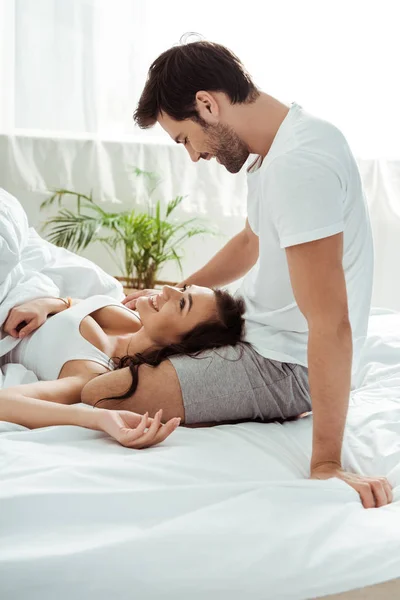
[(207, 106)]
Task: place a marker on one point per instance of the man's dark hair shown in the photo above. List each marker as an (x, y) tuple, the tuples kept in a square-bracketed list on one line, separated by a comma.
[(178, 74)]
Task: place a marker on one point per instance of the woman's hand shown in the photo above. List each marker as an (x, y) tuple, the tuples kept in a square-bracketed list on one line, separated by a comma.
[(129, 428), (27, 317), (130, 300)]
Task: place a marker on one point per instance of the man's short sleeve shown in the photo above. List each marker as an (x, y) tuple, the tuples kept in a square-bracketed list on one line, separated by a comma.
[(305, 197)]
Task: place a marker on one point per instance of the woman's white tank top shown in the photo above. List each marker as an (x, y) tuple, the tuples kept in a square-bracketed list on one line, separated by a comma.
[(58, 340)]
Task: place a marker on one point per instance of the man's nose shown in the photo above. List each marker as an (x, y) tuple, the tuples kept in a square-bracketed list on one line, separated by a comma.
[(195, 156)]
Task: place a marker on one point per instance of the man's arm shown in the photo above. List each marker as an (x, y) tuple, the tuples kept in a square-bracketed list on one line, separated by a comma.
[(319, 287), (233, 261)]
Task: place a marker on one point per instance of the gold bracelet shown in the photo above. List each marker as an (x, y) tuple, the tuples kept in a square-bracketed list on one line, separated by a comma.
[(67, 301)]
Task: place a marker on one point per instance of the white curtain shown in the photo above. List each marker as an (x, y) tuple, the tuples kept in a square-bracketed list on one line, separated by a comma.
[(71, 72), (79, 65)]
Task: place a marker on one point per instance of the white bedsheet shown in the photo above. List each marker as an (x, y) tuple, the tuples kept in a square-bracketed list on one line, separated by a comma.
[(223, 512)]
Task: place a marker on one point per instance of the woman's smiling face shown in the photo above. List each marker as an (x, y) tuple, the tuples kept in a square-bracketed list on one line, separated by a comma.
[(169, 315)]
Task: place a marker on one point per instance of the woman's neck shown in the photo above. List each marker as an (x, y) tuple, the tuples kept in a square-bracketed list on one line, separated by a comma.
[(133, 343)]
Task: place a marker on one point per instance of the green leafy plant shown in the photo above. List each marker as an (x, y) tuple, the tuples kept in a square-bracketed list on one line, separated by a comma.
[(138, 242)]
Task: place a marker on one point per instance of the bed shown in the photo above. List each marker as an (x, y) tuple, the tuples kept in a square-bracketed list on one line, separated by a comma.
[(221, 512)]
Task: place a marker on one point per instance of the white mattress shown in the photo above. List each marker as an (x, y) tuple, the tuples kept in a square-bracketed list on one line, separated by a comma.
[(223, 512)]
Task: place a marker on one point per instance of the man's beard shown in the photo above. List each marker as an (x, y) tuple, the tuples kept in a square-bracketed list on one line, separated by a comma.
[(225, 145)]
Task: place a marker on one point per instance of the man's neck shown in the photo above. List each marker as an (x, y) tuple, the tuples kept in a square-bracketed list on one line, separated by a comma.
[(257, 123)]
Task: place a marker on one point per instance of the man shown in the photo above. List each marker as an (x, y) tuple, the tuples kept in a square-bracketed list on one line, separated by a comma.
[(306, 249)]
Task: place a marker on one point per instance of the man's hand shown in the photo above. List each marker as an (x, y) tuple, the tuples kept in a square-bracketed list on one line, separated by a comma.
[(374, 491), (130, 300)]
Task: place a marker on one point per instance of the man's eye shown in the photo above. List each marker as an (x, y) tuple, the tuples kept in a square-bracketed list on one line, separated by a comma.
[(182, 303), (185, 141), (184, 288)]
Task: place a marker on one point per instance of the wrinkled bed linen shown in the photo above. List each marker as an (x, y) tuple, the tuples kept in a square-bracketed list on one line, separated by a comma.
[(224, 512)]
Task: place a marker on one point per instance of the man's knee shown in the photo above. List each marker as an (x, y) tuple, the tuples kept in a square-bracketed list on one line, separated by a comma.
[(158, 387)]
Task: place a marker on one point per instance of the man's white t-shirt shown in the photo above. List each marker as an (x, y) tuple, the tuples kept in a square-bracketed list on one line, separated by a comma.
[(308, 187)]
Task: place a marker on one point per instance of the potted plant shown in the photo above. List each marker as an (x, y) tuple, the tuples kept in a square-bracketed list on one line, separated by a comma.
[(138, 242)]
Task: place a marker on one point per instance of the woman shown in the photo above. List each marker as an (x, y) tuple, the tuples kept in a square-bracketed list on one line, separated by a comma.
[(86, 339)]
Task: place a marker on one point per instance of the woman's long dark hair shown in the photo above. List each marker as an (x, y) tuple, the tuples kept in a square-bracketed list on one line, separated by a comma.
[(226, 329)]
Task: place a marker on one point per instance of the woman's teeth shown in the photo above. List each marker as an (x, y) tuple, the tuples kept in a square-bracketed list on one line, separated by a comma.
[(154, 302)]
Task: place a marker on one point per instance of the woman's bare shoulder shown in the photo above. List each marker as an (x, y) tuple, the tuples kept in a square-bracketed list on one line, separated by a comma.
[(117, 319), (112, 384)]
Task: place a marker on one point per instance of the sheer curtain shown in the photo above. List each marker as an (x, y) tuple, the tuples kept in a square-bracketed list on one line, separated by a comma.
[(79, 65), (71, 72)]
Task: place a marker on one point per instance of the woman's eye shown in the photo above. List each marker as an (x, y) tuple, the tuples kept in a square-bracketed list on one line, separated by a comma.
[(182, 303)]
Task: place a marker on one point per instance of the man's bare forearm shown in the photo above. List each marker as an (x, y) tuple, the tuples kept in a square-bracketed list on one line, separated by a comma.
[(233, 261), (329, 372)]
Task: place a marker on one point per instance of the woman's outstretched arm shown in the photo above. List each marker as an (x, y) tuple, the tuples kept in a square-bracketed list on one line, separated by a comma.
[(21, 405), (16, 407)]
